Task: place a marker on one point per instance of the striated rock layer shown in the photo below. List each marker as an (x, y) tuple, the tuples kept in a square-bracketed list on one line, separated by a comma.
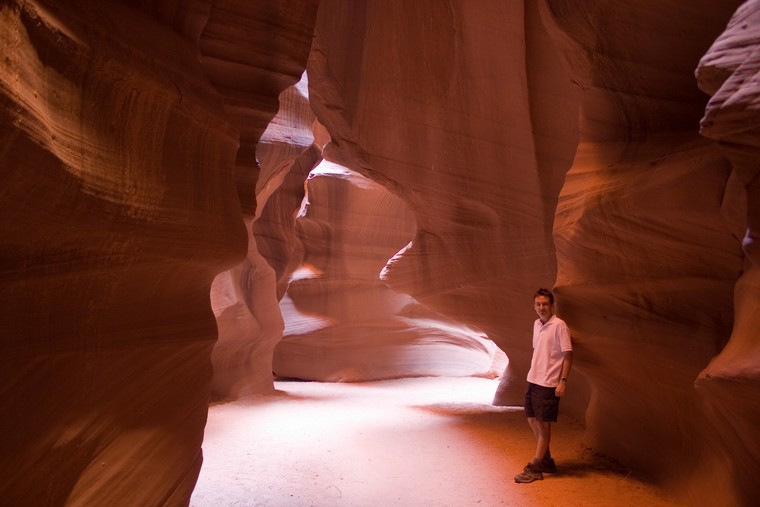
[(342, 323), (730, 384), (647, 237), (648, 225), (476, 142), (526, 144), (121, 128), (245, 298)]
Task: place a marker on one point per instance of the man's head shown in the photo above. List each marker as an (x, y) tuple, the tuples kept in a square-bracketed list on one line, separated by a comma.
[(543, 302)]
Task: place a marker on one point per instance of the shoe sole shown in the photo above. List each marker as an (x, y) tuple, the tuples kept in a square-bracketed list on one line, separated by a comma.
[(528, 480)]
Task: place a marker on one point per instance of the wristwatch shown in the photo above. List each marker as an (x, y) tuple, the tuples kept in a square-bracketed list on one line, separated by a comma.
[(563, 379)]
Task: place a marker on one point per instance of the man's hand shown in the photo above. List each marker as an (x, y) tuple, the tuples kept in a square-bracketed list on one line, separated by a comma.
[(560, 390)]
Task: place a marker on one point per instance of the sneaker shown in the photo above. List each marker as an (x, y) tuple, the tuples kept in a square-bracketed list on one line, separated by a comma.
[(530, 473), (548, 466)]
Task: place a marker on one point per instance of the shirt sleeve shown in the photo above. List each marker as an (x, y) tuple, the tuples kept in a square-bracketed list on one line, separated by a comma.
[(565, 342)]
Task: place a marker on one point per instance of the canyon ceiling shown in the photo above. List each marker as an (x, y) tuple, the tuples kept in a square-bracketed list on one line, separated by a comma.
[(196, 194)]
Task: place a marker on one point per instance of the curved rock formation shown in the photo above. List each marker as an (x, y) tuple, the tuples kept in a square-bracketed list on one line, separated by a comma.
[(475, 142), (533, 144), (730, 384), (119, 206), (649, 218), (342, 323), (245, 299), (647, 237)]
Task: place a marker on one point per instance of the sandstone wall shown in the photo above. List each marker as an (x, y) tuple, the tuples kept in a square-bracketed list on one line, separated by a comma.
[(550, 143), (646, 234), (730, 384), (245, 298), (648, 225), (342, 322), (123, 128), (475, 141)]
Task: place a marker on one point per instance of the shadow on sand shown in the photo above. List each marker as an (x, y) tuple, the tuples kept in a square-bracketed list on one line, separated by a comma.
[(489, 419)]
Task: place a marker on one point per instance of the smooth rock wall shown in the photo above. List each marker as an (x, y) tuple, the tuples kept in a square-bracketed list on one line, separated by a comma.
[(730, 384), (121, 127), (649, 222), (475, 140), (245, 299), (648, 237), (134, 148), (342, 322)]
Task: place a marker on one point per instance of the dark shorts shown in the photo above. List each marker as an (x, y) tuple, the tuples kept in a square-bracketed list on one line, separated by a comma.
[(542, 403)]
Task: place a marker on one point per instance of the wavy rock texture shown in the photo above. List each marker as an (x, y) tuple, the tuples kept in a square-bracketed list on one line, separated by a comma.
[(253, 51), (475, 142), (119, 206), (245, 299), (342, 323), (648, 222), (524, 143), (647, 237), (730, 385)]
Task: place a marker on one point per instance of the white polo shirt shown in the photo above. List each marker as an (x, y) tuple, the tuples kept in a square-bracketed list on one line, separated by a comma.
[(550, 342)]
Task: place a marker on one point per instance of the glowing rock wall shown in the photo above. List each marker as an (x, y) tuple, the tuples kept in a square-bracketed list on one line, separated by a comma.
[(730, 384), (538, 143), (647, 224), (121, 140), (475, 141), (342, 322)]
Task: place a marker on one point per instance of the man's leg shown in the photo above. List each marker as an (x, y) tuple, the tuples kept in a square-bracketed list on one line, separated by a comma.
[(534, 470), (542, 432), (534, 426)]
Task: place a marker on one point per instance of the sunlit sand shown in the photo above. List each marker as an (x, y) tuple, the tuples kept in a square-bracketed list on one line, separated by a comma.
[(408, 442)]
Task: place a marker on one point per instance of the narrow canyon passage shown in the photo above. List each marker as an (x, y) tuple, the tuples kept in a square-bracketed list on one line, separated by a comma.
[(408, 442)]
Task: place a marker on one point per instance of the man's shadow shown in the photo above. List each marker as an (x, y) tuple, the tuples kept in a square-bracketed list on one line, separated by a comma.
[(590, 462)]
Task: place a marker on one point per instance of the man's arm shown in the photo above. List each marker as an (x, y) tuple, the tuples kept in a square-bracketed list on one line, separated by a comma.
[(567, 363)]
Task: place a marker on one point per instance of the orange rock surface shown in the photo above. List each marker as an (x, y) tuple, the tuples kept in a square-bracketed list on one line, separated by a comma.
[(123, 128), (156, 248)]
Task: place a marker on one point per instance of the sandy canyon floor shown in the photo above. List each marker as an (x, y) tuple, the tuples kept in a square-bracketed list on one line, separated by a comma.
[(410, 442)]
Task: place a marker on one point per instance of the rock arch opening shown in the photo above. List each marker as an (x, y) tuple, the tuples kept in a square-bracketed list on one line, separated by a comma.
[(308, 302), (342, 322)]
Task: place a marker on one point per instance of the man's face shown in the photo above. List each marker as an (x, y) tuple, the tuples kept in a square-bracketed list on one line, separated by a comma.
[(543, 307)]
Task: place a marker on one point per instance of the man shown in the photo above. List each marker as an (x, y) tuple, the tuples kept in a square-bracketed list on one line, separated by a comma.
[(547, 378)]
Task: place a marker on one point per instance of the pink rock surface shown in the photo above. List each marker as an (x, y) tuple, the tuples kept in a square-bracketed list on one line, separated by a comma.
[(119, 207), (647, 244), (649, 217), (245, 299), (413, 101), (524, 144), (342, 323), (730, 384)]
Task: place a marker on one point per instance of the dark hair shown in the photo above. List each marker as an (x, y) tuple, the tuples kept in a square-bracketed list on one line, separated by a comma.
[(544, 292)]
